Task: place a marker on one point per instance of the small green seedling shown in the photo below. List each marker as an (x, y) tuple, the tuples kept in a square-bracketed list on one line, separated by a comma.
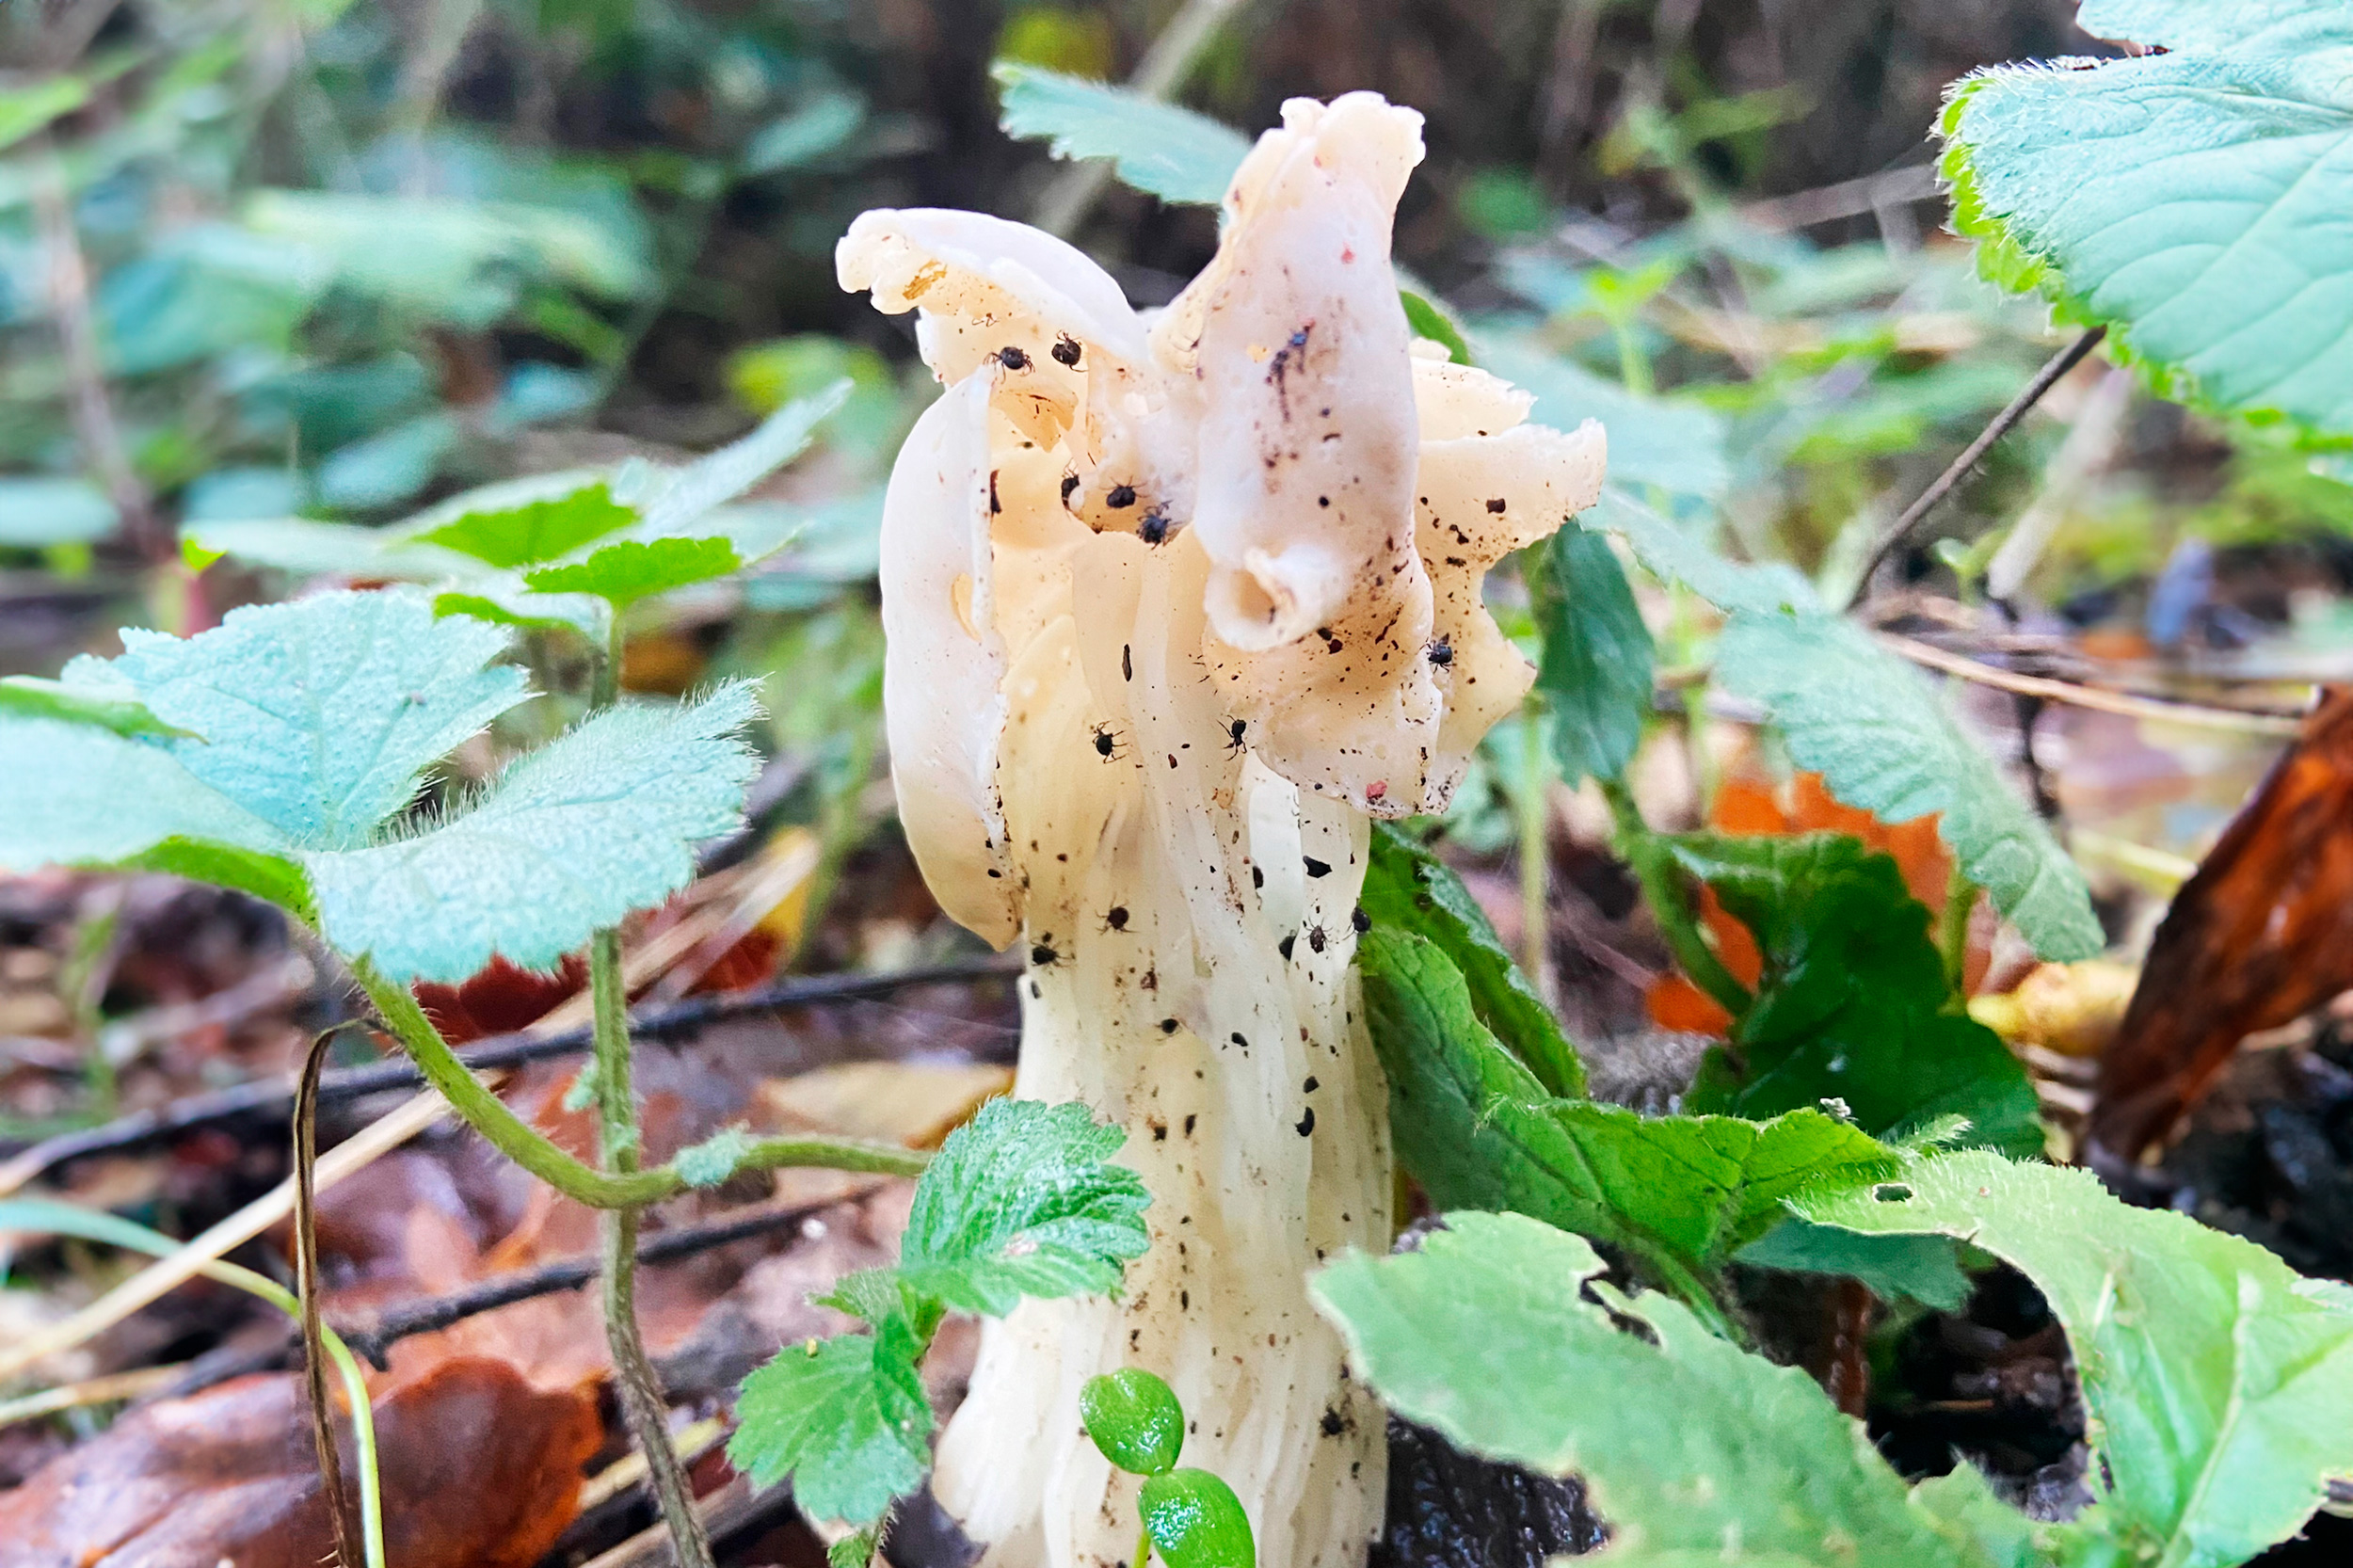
[(1190, 1516)]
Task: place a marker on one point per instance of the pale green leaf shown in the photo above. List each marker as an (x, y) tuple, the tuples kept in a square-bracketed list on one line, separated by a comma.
[(36, 512), (569, 838), (75, 794), (1476, 1130), (320, 715), (2196, 198), (1157, 148), (674, 503), (1921, 1267), (505, 601), (1675, 447), (1693, 1449), (845, 1418), (2218, 1380), (1884, 741), (1409, 890), (1023, 1200), (1672, 555), (308, 548), (1595, 672)]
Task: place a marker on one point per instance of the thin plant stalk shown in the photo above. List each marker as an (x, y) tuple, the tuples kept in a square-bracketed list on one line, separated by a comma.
[(1535, 868), (44, 1216), (306, 1149)]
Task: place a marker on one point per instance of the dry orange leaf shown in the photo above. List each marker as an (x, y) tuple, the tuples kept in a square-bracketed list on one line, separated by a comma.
[(480, 1470), (2263, 934)]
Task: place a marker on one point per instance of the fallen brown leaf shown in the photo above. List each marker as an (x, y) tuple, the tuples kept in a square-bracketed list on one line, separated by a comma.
[(2260, 935), (480, 1470)]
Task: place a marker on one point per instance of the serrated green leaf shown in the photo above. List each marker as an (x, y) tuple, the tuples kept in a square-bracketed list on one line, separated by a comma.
[(630, 569), (674, 504), (308, 548), (2194, 199), (2216, 1379), (1595, 672), (1693, 1449), (1157, 148), (1409, 890), (1195, 1520), (1924, 1268), (506, 602), (1851, 1004), (1672, 555), (1882, 740), (845, 1419), (1475, 1128), (853, 1550), (1022, 1200), (29, 697), (534, 532), (569, 838), (319, 716)]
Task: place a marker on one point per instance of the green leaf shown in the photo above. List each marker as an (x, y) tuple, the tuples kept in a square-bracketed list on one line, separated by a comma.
[(1022, 1200), (1851, 1004), (1694, 1450), (508, 604), (2216, 1378), (307, 548), (2194, 199), (633, 570), (1672, 555), (1157, 148), (1409, 890), (571, 838), (1475, 1128), (845, 1419), (853, 1550), (1195, 1520), (33, 697), (1428, 321), (1882, 740), (676, 501), (1924, 1268), (1595, 672), (38, 512), (1676, 447), (27, 109), (534, 532), (1134, 1420)]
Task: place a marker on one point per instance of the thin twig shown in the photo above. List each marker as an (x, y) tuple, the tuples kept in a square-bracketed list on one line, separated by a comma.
[(306, 1217), (2044, 379), (2098, 698), (274, 1097), (406, 1319)]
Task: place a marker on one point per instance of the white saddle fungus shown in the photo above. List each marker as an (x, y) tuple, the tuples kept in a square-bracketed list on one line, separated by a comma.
[(1176, 606)]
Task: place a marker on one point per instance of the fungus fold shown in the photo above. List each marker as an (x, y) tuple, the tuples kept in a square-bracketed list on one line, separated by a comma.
[(1177, 603)]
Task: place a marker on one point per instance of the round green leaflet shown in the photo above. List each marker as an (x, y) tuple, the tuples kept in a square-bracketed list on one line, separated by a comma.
[(1135, 1419)]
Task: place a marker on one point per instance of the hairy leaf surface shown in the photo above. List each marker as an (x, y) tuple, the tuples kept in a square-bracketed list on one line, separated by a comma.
[(2200, 200), (1693, 1449), (2216, 1379), (1157, 148), (845, 1418)]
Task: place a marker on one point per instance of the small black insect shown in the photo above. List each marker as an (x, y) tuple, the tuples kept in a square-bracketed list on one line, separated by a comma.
[(1362, 921), (1106, 741), (1066, 351), (1154, 529), (1442, 652), (1284, 946), (1233, 735), (1168, 1026), (1012, 358), (1069, 482), (1122, 495), (1043, 955), (1316, 938), (1118, 918), (1308, 1122)]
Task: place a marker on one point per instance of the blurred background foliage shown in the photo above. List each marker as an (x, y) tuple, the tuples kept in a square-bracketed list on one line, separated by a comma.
[(262, 258)]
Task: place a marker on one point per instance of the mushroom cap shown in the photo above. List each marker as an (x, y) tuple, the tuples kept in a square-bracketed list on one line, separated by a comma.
[(1331, 493)]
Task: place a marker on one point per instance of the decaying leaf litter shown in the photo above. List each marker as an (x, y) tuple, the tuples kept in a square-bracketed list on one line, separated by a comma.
[(1805, 1022)]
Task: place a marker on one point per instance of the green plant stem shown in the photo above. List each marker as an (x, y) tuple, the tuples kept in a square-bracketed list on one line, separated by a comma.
[(1678, 921), (1535, 868), (516, 1139), (604, 687), (1143, 1545), (642, 1399), (1952, 929)]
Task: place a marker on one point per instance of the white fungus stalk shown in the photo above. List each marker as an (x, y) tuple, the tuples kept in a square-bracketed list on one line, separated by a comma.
[(1176, 606)]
